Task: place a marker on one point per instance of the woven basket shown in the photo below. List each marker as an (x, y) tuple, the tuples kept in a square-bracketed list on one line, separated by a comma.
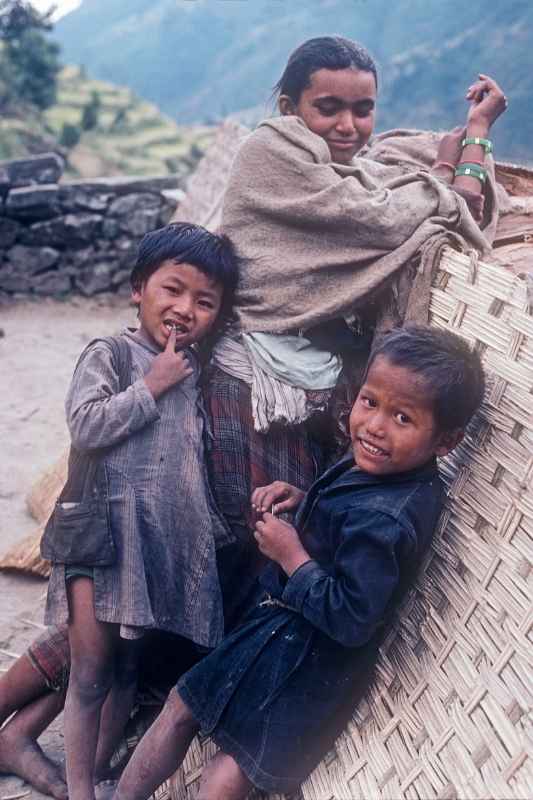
[(447, 716), (44, 493), (25, 555)]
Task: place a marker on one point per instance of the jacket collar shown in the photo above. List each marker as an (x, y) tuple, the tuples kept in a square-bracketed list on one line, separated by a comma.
[(357, 477)]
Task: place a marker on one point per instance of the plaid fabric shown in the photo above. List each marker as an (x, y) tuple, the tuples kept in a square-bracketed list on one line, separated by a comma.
[(239, 460), (50, 655)]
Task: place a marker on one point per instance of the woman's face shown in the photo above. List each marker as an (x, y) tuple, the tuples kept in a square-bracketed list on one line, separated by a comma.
[(338, 105)]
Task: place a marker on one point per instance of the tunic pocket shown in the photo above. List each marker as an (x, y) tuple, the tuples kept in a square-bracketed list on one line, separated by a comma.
[(80, 533)]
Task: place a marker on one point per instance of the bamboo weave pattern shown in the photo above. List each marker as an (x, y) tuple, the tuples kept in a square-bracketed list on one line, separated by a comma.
[(449, 715)]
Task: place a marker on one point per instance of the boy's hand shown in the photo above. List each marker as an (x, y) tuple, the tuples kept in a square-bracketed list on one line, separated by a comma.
[(168, 368), (278, 497), (280, 541), (487, 103)]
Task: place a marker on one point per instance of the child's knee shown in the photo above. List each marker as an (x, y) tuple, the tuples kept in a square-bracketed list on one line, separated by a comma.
[(223, 779), (177, 715), (90, 680)]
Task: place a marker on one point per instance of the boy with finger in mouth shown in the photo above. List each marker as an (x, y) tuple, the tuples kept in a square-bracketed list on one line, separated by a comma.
[(153, 478)]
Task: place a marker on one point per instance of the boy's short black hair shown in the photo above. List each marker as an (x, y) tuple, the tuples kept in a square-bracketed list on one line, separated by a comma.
[(450, 368), (182, 242)]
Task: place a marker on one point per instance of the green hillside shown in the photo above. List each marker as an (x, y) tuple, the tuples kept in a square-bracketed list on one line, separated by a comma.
[(24, 132), (130, 137), (200, 60)]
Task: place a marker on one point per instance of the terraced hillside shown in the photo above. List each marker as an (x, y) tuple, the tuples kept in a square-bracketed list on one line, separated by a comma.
[(130, 136), (126, 135)]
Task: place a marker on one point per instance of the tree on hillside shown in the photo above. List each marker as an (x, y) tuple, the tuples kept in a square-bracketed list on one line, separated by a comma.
[(29, 62), (91, 112), (70, 135)]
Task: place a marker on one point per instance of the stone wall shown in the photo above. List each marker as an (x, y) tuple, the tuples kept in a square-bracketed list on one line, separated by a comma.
[(78, 236)]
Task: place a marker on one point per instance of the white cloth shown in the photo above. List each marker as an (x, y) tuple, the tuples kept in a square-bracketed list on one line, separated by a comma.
[(273, 400)]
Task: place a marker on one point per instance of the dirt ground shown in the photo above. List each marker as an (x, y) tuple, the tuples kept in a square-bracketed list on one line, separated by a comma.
[(40, 341)]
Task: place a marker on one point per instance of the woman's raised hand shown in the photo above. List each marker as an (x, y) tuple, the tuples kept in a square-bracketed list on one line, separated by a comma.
[(487, 103), (276, 497)]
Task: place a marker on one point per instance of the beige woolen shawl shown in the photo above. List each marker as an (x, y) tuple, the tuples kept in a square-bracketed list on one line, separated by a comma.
[(319, 239)]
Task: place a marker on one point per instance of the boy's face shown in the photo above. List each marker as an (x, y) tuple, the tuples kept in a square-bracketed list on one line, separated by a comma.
[(180, 296), (392, 424)]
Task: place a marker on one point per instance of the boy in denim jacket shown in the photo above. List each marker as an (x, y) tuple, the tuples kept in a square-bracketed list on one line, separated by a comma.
[(274, 693)]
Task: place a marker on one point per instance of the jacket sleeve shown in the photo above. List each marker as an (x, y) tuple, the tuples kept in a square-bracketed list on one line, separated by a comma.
[(348, 601), (98, 415)]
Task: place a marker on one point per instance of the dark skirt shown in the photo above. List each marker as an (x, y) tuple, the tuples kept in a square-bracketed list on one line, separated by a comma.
[(239, 460), (274, 695)]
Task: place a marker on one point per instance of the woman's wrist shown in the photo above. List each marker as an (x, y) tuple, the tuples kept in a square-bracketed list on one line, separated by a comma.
[(480, 129)]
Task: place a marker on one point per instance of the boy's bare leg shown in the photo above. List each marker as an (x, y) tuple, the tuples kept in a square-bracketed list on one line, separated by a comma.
[(24, 693), (91, 649), (21, 684), (118, 705), (21, 755), (160, 751), (223, 779)]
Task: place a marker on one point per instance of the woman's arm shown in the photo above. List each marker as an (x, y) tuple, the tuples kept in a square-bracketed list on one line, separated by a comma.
[(487, 103), (449, 154), (348, 600), (98, 414)]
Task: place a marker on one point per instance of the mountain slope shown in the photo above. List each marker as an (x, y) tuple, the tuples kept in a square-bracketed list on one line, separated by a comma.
[(131, 136), (204, 59)]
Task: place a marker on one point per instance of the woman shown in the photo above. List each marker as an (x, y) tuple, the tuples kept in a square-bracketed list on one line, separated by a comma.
[(322, 234)]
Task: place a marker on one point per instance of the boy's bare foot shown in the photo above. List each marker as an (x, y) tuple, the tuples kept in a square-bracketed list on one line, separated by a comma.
[(23, 757)]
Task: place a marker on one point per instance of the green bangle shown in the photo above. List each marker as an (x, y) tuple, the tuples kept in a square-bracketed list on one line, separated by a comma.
[(471, 171), (486, 143)]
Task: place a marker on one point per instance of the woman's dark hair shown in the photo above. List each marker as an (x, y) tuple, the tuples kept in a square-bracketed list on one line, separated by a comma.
[(322, 52), (451, 370), (181, 242)]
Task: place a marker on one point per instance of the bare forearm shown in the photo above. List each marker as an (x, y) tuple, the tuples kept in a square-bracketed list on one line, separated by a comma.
[(472, 153)]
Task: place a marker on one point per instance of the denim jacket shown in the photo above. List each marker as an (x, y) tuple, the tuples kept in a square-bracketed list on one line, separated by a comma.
[(364, 534), (286, 681)]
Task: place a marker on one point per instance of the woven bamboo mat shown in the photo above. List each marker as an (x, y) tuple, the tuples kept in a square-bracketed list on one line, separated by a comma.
[(449, 714)]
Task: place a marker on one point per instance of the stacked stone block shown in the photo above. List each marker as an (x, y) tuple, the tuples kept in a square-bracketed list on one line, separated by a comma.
[(74, 237)]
